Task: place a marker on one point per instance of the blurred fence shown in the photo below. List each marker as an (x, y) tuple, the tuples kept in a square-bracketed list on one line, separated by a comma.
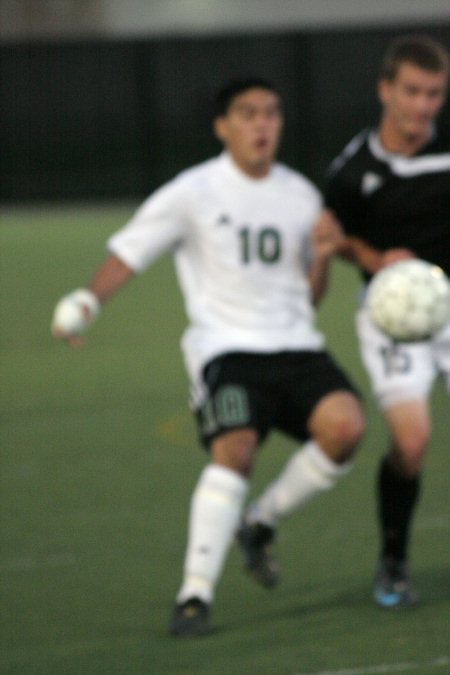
[(105, 119)]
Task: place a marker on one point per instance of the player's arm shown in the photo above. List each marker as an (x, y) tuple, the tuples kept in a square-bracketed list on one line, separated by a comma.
[(109, 278), (368, 257), (75, 312), (158, 226), (326, 240)]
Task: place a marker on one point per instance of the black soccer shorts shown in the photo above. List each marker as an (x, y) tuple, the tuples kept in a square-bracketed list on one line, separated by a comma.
[(266, 392)]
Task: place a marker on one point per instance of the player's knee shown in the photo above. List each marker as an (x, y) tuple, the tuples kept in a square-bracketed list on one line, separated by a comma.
[(346, 430), (409, 451), (339, 424), (350, 428)]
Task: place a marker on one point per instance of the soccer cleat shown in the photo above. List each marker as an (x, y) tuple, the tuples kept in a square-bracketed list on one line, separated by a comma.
[(393, 588), (189, 618), (256, 544)]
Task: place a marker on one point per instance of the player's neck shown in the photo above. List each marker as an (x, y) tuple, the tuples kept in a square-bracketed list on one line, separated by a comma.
[(255, 170), (395, 141)]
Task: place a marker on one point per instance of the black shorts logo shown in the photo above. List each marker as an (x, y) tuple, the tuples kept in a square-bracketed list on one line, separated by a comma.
[(228, 408)]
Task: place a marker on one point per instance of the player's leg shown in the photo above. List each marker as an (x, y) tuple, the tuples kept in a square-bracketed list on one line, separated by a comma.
[(401, 377), (398, 488), (215, 510), (228, 420), (335, 424), (214, 516)]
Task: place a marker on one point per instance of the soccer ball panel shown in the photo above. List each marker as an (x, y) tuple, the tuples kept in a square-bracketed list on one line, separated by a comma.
[(409, 300)]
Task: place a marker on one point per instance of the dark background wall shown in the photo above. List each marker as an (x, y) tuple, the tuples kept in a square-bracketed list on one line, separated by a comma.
[(104, 119)]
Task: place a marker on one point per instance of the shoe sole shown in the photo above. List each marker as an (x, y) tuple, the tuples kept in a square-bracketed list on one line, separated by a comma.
[(394, 601)]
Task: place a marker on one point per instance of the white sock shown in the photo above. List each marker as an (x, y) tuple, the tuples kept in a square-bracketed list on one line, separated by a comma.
[(307, 473), (216, 507)]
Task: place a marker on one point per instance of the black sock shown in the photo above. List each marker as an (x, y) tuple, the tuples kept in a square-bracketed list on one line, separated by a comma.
[(397, 496)]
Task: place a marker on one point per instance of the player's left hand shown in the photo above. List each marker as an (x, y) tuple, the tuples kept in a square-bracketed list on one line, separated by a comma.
[(327, 235)]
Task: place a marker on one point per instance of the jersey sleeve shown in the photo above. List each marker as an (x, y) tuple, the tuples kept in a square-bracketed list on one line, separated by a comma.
[(342, 189), (158, 226)]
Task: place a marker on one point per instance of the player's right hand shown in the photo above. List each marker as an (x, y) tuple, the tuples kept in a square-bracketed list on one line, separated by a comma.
[(73, 315), (393, 255)]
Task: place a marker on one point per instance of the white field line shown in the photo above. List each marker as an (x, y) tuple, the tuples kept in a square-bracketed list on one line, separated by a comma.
[(386, 668), (25, 564)]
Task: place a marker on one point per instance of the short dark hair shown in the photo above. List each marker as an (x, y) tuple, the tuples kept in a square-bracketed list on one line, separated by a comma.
[(228, 93), (419, 50)]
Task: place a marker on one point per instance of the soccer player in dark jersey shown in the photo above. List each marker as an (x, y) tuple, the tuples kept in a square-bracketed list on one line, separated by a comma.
[(390, 188)]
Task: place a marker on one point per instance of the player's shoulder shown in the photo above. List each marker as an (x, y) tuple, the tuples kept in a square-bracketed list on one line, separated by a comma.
[(293, 179), (180, 190), (357, 149), (196, 174)]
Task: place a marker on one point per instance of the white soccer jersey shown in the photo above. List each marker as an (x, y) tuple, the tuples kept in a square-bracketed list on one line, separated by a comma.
[(242, 250)]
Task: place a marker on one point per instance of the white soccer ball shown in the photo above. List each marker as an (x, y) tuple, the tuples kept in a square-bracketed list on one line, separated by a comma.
[(409, 300)]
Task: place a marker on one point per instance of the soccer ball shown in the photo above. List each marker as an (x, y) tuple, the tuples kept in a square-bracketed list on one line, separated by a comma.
[(409, 300)]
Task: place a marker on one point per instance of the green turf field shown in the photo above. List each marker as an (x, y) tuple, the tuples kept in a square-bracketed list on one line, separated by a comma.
[(98, 460)]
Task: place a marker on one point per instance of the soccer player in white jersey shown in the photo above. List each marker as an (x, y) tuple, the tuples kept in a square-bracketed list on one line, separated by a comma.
[(252, 256), (391, 190)]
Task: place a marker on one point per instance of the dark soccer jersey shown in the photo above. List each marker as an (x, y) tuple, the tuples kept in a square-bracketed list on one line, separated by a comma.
[(392, 201)]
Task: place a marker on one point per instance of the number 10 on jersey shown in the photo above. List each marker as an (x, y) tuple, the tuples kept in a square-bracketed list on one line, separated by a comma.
[(263, 245)]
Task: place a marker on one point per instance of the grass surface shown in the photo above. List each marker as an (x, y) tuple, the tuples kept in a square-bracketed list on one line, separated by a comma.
[(98, 460)]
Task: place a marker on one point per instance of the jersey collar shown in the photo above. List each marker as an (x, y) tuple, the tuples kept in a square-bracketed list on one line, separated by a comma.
[(235, 172), (380, 152)]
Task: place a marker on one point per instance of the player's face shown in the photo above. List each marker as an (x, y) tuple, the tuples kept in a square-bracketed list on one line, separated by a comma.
[(251, 130), (412, 101)]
